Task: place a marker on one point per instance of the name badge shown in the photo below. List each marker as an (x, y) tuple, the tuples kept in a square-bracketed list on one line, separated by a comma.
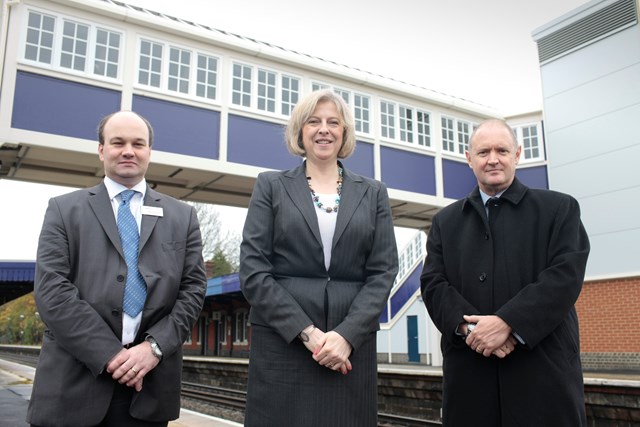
[(151, 210)]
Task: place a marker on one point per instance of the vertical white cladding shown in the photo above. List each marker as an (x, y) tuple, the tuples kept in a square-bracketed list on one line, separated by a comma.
[(591, 104)]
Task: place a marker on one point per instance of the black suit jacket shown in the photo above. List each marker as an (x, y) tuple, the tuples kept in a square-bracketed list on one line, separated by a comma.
[(79, 289), (282, 269)]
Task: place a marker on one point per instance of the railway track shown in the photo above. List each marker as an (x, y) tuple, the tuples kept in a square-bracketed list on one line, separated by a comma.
[(406, 397), (236, 400)]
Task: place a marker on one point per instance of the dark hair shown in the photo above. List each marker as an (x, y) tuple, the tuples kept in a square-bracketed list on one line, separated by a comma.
[(105, 119)]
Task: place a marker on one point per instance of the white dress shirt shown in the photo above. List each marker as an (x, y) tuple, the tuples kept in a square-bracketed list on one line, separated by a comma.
[(130, 325)]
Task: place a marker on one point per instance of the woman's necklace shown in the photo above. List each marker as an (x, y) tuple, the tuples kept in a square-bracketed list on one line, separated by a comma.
[(316, 199)]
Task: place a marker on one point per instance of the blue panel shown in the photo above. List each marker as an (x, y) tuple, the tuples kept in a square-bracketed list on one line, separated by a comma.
[(180, 128), (408, 171), (13, 271), (407, 289), (535, 177), (384, 317), (361, 161), (60, 107), (258, 143), (223, 284), (458, 179)]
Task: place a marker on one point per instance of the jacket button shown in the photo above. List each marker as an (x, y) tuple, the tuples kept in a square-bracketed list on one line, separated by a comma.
[(486, 236), (482, 277), (120, 278), (115, 312)]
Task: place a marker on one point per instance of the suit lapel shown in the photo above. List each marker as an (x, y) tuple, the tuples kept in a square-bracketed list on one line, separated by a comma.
[(353, 189), (151, 198), (295, 184), (101, 206)]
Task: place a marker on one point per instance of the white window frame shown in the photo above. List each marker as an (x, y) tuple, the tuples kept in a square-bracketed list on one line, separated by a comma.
[(456, 140), (408, 130), (282, 107), (405, 123), (423, 128), (184, 62), (205, 83), (286, 106), (222, 327), (521, 138), (388, 119), (58, 37), (108, 49), (152, 59), (74, 55), (315, 85), (362, 122), (193, 70), (266, 91), (242, 317)]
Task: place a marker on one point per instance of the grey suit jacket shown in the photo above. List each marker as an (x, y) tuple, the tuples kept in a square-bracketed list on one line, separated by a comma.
[(282, 270), (79, 288)]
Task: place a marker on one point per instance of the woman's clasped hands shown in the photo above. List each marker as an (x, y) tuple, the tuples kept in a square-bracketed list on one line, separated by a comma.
[(329, 349)]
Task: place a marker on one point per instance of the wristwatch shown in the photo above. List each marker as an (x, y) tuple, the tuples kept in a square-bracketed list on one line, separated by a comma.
[(155, 348), (470, 328)]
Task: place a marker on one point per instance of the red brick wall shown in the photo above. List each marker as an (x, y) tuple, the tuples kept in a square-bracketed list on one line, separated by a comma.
[(608, 311)]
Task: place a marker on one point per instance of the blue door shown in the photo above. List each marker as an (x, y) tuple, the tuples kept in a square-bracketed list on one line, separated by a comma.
[(412, 338)]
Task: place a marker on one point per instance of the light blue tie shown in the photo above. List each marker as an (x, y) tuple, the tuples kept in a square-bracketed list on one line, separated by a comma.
[(135, 290)]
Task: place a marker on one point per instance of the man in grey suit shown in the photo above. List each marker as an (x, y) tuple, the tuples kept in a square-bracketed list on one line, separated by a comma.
[(103, 363)]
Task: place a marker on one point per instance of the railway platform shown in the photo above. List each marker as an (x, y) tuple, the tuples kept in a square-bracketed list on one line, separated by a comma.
[(15, 390)]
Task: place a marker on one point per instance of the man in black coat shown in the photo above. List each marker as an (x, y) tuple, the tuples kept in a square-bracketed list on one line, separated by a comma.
[(504, 268)]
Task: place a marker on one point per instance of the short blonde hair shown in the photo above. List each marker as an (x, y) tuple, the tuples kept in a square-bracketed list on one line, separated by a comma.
[(305, 108)]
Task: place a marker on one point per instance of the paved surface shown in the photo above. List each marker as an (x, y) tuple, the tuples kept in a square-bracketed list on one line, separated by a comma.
[(16, 381), (15, 391)]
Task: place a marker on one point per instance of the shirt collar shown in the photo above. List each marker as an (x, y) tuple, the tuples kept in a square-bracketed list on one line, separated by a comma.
[(486, 197), (114, 188)]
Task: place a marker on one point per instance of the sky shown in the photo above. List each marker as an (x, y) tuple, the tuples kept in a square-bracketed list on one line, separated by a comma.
[(481, 51)]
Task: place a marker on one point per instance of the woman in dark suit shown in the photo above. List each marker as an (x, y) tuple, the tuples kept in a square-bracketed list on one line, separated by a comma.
[(317, 262)]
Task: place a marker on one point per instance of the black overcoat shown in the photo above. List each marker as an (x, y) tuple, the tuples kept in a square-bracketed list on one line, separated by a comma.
[(527, 267)]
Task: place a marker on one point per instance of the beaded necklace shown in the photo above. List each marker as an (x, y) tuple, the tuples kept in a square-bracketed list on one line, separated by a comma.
[(316, 199)]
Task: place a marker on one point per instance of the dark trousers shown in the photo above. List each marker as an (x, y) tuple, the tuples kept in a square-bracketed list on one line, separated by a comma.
[(118, 412)]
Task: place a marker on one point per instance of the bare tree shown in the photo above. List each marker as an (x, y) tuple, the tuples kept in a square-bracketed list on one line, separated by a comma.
[(219, 244)]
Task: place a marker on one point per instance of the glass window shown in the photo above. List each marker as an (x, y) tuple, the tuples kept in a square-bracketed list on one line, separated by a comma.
[(222, 329), (530, 142), (75, 39), (179, 69), (406, 124), (241, 91), (241, 327), (464, 132), (448, 134), (290, 94), (424, 128), (207, 76), (267, 91), (344, 94), (361, 112), (39, 43), (150, 67), (107, 53), (387, 120), (318, 86)]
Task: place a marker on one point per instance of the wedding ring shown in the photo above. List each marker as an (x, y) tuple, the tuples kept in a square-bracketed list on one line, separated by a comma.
[(134, 371)]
